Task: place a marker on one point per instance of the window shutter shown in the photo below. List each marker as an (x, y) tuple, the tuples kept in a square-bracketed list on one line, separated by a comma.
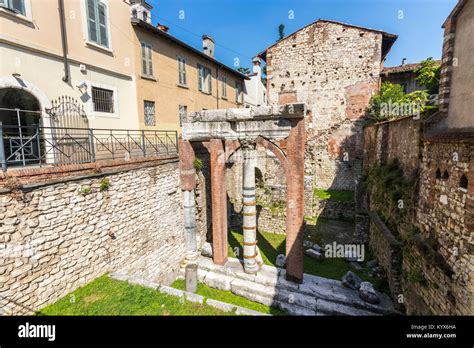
[(18, 6), (209, 76), (144, 63), (150, 61), (102, 10), (91, 20), (201, 78)]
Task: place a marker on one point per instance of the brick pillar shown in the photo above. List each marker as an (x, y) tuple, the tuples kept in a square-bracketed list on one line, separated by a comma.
[(219, 202), (295, 202)]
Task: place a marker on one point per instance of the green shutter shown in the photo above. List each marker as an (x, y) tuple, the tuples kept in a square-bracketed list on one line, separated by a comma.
[(201, 77), (209, 75), (150, 61), (102, 11)]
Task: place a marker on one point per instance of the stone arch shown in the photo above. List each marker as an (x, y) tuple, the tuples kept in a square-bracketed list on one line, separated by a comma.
[(18, 83)]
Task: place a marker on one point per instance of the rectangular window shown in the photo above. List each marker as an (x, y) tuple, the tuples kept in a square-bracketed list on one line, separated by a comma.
[(103, 100), (147, 61), (97, 22), (17, 6), (149, 112), (238, 92), (183, 111), (205, 79), (224, 87), (182, 71)]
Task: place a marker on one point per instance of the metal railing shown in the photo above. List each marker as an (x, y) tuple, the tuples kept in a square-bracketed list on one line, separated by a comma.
[(22, 146)]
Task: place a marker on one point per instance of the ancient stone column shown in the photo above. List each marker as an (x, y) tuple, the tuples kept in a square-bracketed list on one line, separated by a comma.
[(249, 211), (188, 184), (190, 224)]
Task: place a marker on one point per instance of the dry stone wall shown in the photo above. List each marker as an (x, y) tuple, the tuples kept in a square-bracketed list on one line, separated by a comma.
[(57, 237)]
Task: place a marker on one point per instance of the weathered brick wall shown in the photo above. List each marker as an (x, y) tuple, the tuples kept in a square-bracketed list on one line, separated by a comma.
[(334, 69), (399, 139), (445, 214), (437, 250), (56, 237)]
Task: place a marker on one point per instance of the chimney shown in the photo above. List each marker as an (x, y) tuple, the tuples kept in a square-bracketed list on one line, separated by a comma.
[(404, 61), (208, 45), (162, 27)]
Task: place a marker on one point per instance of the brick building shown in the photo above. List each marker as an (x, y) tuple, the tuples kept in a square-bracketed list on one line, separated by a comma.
[(334, 68)]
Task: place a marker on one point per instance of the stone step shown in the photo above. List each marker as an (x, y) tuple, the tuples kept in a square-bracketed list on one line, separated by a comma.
[(315, 296)]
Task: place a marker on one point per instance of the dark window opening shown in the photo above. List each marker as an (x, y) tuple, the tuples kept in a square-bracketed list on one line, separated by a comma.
[(438, 174), (445, 175), (463, 182)]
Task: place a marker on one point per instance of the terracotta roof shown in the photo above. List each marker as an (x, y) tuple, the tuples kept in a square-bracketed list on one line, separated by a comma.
[(388, 39), (144, 25), (403, 68)]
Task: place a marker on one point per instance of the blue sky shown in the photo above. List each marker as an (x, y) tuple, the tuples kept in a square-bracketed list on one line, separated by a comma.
[(242, 28)]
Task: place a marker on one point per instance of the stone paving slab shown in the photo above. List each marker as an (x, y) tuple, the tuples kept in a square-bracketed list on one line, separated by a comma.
[(315, 296)]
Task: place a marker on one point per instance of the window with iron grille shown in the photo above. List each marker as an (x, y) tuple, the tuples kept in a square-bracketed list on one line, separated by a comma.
[(183, 111), (147, 62), (149, 111), (97, 22), (205, 79), (103, 100), (182, 71), (17, 6)]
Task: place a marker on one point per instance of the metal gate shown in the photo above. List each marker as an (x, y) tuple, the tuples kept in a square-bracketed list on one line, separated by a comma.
[(70, 140)]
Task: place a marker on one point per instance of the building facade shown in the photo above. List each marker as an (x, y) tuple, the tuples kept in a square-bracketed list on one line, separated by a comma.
[(334, 68), (174, 78), (403, 75), (79, 49)]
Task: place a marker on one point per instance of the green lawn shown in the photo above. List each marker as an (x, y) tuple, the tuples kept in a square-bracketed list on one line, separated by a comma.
[(228, 297), (106, 296), (271, 245), (334, 195)]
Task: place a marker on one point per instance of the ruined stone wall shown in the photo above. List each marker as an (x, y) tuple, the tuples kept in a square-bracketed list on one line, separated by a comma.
[(334, 69), (445, 217), (436, 235), (57, 236)]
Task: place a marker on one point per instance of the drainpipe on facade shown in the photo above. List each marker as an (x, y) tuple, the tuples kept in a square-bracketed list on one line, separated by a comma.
[(62, 21)]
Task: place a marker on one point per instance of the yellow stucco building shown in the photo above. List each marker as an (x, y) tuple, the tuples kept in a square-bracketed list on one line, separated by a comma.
[(174, 78)]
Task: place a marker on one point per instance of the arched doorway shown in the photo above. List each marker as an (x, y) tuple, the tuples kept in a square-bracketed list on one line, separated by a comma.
[(20, 117)]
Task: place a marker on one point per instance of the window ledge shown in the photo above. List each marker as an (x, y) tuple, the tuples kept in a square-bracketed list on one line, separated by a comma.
[(151, 78), (183, 86), (104, 114), (206, 93), (225, 98), (99, 47), (16, 15)]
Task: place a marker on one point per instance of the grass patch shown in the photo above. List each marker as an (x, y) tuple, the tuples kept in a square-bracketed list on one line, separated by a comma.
[(106, 296), (228, 297), (271, 245), (334, 195)]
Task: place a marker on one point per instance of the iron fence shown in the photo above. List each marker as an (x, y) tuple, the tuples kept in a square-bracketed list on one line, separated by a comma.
[(36, 145)]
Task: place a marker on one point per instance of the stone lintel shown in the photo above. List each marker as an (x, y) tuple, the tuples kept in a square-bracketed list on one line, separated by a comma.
[(244, 130), (288, 111)]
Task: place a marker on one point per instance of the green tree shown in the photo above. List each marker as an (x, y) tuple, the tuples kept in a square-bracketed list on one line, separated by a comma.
[(281, 32), (391, 103), (428, 74), (243, 70)]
